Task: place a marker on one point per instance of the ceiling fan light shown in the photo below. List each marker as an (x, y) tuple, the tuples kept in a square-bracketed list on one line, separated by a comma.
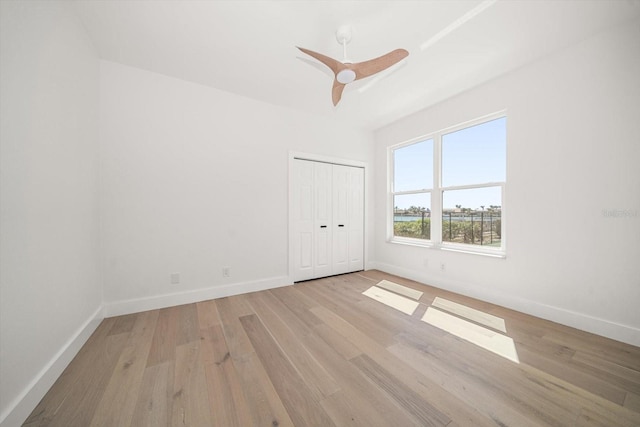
[(346, 76)]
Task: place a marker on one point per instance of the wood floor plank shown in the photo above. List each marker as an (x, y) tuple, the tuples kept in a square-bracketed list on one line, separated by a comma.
[(345, 410), (430, 390), (315, 376), (632, 402), (424, 412), (429, 292), (606, 349), (436, 396), (214, 350), (190, 394), (569, 395), (473, 394), (156, 392), (310, 333), (297, 398), (348, 408), (163, 345), (207, 314), (364, 405), (566, 371), (543, 347), (358, 400), (606, 370), (377, 330), (298, 302), (230, 310), (123, 324), (371, 311), (229, 407), (188, 327), (400, 289), (264, 403), (338, 342), (121, 394), (531, 392)]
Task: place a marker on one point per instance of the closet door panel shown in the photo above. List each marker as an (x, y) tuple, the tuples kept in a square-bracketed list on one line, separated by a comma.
[(303, 223), (356, 219), (341, 226), (322, 219)]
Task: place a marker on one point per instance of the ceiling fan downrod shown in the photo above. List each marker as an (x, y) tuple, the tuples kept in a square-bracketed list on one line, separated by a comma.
[(343, 35)]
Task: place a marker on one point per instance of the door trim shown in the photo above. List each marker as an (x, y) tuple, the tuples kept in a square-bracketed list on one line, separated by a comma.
[(297, 155)]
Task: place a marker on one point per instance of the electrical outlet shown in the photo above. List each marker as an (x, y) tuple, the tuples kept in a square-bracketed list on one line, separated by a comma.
[(226, 271), (443, 266), (175, 278)]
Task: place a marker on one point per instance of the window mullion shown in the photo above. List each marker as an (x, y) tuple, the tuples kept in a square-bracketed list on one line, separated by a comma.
[(400, 193), (436, 195), (471, 186), (390, 191)]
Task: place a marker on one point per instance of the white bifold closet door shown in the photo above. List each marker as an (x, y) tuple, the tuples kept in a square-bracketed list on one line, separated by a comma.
[(328, 219)]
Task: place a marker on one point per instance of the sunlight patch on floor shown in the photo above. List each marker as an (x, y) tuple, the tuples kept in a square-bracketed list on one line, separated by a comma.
[(470, 313), (493, 341), (464, 322), (392, 300), (399, 289)]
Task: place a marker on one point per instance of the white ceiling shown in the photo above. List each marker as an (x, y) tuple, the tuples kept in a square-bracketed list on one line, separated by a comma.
[(248, 47)]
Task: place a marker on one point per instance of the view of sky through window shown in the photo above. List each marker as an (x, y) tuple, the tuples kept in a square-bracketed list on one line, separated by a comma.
[(413, 167), (473, 155)]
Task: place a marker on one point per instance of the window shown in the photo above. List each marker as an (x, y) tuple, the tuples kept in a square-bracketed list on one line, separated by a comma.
[(412, 187), (447, 189)]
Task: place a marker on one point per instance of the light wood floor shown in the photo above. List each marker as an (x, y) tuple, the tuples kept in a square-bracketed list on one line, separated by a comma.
[(321, 354)]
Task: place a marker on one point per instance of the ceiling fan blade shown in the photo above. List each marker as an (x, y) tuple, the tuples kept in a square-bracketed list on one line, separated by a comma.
[(336, 92), (361, 69), (329, 62), (373, 66)]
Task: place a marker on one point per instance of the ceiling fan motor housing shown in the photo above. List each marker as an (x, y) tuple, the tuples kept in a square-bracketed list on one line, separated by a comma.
[(346, 76)]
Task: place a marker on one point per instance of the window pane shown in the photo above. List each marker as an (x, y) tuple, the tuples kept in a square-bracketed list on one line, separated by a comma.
[(472, 216), (475, 155), (413, 167), (412, 216)]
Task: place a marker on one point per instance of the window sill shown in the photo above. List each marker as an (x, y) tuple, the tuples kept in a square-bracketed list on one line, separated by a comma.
[(411, 242), (448, 248), (473, 251)]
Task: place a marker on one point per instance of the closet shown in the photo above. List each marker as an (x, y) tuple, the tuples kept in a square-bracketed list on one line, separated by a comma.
[(328, 219)]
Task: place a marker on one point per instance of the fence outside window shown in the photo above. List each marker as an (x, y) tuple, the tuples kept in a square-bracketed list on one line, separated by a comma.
[(470, 227)]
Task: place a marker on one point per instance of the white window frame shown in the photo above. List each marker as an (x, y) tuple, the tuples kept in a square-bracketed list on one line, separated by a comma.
[(437, 192), (430, 191)]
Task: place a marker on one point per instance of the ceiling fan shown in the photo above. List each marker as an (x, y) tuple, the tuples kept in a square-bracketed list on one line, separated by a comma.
[(346, 72)]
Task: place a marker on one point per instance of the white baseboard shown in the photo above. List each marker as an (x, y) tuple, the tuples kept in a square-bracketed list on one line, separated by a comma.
[(117, 308), (18, 410), (606, 328)]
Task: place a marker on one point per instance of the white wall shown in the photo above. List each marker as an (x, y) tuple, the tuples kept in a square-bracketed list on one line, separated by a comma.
[(573, 129), (50, 293), (194, 179)]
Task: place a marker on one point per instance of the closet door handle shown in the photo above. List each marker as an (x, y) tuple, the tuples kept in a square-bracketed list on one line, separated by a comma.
[(340, 225), (323, 226)]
